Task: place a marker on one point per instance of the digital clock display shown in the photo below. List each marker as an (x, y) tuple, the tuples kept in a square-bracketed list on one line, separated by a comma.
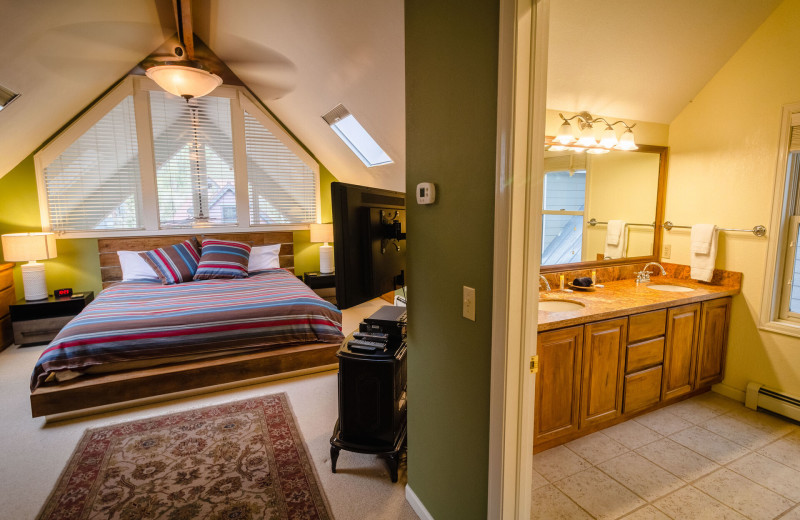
[(63, 293)]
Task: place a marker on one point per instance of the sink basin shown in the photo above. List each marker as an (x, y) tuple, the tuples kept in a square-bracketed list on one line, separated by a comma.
[(669, 288), (559, 305)]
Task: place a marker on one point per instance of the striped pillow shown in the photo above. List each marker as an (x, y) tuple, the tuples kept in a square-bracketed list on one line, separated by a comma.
[(223, 259), (174, 264)]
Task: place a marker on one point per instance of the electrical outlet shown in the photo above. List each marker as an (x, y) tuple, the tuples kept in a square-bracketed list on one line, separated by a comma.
[(667, 251), (468, 303)]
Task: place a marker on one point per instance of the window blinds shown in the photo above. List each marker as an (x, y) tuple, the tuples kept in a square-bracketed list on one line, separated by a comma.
[(282, 188), (564, 162), (95, 183), (194, 160)]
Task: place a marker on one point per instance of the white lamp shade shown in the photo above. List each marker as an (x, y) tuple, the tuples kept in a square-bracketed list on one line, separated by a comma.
[(627, 142), (184, 81), (321, 232), (28, 247), (565, 134)]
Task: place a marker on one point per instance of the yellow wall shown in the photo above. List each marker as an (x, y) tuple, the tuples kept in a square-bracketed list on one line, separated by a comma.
[(624, 186), (722, 168)]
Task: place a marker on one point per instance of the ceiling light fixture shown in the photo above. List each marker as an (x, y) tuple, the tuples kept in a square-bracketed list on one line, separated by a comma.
[(184, 79), (587, 141)]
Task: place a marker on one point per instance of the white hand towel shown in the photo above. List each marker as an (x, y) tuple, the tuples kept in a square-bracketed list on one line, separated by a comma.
[(702, 235), (618, 249), (614, 231), (703, 264)]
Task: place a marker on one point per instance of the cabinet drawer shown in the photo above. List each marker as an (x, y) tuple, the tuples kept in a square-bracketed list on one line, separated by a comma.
[(642, 389), (38, 331), (6, 276), (7, 297), (6, 333), (645, 354), (647, 325)]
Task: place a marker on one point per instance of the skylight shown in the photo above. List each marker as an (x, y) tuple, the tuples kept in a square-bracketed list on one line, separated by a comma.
[(6, 97), (356, 137)]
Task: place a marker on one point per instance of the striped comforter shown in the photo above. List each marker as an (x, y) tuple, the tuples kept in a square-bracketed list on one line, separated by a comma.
[(134, 321)]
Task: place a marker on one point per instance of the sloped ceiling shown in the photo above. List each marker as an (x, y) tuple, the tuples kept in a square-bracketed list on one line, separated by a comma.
[(61, 54), (302, 58), (631, 59), (642, 60)]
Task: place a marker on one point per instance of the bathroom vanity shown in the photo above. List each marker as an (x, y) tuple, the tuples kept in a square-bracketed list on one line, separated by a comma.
[(626, 349)]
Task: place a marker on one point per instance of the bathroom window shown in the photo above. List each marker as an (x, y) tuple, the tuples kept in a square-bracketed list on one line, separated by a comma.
[(562, 216), (780, 310), (790, 293)]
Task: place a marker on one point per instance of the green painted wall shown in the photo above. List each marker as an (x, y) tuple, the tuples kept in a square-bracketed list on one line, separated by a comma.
[(78, 264), (451, 120)]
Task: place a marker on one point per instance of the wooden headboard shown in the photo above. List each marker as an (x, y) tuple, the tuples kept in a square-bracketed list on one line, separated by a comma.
[(111, 273)]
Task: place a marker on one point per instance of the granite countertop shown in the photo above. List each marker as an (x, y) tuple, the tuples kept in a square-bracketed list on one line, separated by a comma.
[(624, 297)]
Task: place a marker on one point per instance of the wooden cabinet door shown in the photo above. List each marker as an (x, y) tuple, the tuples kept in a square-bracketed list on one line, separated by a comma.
[(715, 317), (681, 350), (603, 369), (558, 383)]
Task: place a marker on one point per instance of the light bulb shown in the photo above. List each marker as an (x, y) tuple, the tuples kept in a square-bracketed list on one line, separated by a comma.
[(564, 135), (587, 137), (626, 141), (609, 138)]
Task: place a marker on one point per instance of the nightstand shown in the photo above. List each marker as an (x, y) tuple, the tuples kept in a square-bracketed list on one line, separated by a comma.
[(41, 320), (322, 284)]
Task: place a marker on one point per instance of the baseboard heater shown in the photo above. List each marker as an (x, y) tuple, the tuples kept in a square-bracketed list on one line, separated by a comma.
[(759, 396)]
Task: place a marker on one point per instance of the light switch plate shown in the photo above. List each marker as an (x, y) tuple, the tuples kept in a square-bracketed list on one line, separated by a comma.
[(667, 251), (468, 306)]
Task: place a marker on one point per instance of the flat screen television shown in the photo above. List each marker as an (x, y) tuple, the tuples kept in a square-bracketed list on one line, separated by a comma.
[(369, 242)]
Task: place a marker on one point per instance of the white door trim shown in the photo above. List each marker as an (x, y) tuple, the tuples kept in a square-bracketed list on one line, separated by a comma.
[(522, 82)]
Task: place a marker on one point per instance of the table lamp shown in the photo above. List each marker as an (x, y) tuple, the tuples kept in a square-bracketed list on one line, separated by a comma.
[(324, 233), (30, 247)]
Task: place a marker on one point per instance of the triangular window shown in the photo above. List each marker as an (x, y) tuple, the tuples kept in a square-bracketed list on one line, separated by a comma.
[(141, 160)]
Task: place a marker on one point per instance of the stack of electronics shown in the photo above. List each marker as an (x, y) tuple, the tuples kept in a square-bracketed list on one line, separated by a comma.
[(381, 334)]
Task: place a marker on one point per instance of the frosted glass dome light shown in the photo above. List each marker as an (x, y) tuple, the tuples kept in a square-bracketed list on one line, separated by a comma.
[(183, 80)]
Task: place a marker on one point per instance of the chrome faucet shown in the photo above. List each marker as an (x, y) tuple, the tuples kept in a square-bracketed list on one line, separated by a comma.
[(546, 283), (643, 276)]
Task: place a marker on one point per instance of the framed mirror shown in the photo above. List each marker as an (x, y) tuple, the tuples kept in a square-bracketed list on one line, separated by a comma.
[(602, 209)]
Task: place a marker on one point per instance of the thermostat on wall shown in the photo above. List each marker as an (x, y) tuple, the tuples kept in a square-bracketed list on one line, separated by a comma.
[(426, 193)]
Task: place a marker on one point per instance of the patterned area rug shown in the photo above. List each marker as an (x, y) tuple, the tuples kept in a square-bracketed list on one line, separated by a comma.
[(242, 460)]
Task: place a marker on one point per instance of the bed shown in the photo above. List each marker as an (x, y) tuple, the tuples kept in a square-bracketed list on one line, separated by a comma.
[(143, 339)]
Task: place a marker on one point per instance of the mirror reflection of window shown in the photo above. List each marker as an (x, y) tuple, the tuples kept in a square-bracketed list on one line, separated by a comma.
[(562, 216)]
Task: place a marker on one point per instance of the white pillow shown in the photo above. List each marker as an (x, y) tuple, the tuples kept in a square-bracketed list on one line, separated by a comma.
[(135, 268), (264, 257)]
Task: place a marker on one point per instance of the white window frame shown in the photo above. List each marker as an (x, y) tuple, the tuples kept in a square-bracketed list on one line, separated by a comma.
[(139, 87), (565, 212), (775, 315)]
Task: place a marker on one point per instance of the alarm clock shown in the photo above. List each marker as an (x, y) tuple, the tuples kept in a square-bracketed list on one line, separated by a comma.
[(63, 293)]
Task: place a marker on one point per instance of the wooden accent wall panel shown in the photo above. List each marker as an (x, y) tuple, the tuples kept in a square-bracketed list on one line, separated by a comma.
[(715, 317), (558, 383), (111, 273), (681, 350), (603, 369)]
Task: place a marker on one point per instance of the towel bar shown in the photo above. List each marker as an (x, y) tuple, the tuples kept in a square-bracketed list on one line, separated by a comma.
[(758, 231), (594, 222)]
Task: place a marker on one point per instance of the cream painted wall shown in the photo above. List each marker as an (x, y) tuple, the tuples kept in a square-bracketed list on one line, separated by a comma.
[(623, 186), (722, 168)]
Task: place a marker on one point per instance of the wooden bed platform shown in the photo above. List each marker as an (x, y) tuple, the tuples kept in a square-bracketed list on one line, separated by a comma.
[(100, 390)]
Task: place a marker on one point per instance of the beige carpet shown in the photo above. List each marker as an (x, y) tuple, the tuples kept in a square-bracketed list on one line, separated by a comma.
[(33, 453)]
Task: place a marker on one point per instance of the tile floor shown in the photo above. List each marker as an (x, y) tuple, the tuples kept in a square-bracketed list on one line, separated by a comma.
[(705, 458)]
